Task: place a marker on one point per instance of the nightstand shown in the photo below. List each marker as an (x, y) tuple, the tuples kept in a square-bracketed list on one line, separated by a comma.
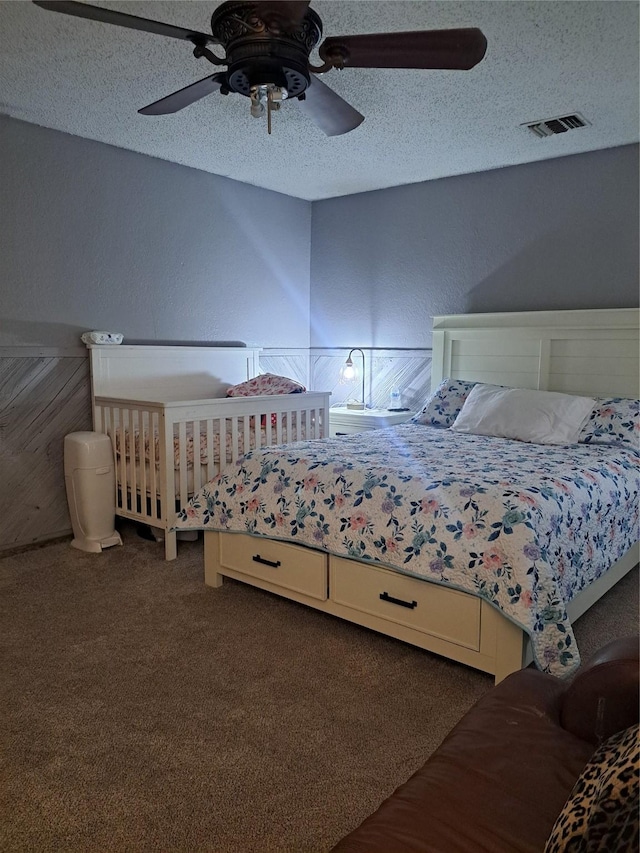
[(343, 421)]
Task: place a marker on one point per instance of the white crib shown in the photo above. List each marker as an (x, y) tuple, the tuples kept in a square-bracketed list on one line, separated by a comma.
[(172, 429)]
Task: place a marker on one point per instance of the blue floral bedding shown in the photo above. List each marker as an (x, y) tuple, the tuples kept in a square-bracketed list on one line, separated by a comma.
[(524, 526)]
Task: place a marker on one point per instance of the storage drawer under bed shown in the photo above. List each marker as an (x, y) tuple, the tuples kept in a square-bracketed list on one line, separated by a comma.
[(439, 611), (289, 566)]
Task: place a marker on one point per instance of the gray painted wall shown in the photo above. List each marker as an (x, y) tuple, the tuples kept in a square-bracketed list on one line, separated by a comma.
[(93, 236), (556, 234), (96, 237)]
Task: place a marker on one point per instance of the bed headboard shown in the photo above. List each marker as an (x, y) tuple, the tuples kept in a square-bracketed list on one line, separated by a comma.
[(169, 373), (576, 352)]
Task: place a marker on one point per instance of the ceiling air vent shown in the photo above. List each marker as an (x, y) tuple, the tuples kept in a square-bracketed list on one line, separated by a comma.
[(553, 126)]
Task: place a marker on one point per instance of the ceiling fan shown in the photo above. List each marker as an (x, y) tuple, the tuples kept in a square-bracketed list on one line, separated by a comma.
[(267, 44)]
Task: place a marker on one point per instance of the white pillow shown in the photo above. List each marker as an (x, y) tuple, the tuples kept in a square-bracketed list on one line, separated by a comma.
[(541, 417)]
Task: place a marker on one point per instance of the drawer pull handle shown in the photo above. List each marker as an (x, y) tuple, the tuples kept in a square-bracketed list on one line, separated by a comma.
[(259, 559), (386, 597)]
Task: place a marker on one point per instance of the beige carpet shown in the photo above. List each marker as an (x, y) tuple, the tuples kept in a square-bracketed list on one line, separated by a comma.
[(143, 711)]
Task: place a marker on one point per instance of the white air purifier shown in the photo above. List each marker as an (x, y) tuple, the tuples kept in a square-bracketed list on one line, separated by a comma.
[(89, 475)]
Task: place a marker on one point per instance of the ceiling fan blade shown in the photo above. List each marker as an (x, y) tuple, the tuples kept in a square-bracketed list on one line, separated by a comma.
[(328, 110), (443, 49), (107, 16), (183, 97)]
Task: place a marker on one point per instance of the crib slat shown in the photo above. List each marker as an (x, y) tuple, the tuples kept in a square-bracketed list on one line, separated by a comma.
[(107, 427), (256, 431), (167, 484), (143, 430), (234, 439), (246, 446), (131, 467), (182, 463), (210, 450), (121, 438), (198, 431), (222, 444), (133, 463), (152, 432)]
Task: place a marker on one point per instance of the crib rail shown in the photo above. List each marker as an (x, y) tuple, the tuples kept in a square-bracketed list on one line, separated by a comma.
[(165, 452)]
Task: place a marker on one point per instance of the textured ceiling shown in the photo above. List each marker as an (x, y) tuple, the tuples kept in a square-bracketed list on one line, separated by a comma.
[(544, 59)]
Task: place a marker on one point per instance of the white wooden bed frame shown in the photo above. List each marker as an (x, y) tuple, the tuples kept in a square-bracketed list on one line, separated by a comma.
[(172, 390), (582, 352)]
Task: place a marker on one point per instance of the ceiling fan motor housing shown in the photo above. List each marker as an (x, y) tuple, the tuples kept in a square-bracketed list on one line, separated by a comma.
[(267, 44), (263, 46)]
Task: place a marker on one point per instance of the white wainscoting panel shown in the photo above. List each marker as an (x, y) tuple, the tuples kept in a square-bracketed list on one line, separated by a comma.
[(42, 398), (409, 370), (293, 363)]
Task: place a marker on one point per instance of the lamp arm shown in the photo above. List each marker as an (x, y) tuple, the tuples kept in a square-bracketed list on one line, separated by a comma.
[(357, 349)]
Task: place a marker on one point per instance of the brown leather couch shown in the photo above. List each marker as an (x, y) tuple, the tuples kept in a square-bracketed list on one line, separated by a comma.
[(500, 778)]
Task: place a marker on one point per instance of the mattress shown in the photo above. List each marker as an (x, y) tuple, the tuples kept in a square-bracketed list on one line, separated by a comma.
[(206, 468), (524, 526), (200, 445)]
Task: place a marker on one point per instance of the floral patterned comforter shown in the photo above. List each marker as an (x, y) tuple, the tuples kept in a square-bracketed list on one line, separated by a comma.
[(524, 526)]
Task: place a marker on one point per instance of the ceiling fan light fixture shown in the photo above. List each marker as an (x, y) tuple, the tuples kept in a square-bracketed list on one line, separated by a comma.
[(267, 45), (266, 95), (257, 107)]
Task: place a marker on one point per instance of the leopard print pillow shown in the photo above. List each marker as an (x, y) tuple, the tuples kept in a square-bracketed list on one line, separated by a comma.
[(601, 813)]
